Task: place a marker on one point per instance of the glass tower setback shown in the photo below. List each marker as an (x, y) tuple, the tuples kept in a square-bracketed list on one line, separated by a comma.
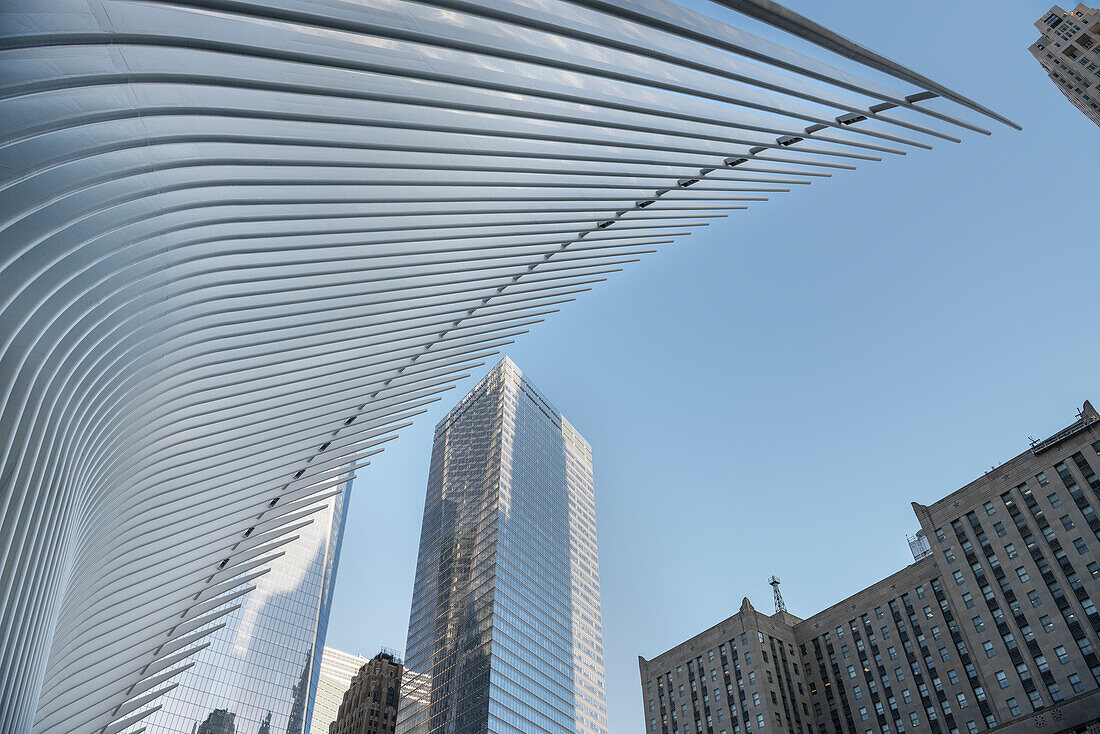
[(505, 632)]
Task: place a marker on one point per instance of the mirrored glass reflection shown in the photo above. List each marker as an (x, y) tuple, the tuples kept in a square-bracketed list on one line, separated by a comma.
[(259, 674)]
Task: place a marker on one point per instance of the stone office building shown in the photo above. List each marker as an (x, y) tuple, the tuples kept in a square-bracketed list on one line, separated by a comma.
[(370, 704), (993, 627)]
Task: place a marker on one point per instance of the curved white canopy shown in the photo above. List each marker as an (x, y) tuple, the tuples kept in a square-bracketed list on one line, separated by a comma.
[(244, 242)]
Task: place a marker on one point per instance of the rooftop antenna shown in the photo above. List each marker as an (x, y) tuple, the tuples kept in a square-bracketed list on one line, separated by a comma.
[(779, 605)]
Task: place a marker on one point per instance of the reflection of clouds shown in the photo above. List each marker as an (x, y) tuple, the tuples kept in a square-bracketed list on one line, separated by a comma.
[(287, 574)]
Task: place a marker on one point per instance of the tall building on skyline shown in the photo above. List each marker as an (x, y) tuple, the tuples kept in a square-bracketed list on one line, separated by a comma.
[(369, 702), (993, 627), (333, 680), (1069, 52), (505, 633)]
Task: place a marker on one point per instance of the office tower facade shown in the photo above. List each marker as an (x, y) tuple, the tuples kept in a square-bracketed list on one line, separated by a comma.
[(993, 627), (505, 633), (336, 671), (261, 668), (369, 703), (1069, 51)]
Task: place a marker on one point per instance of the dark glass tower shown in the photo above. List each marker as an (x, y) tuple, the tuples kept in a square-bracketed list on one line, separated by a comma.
[(505, 633)]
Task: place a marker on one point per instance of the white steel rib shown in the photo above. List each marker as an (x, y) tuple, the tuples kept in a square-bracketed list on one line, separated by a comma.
[(243, 243)]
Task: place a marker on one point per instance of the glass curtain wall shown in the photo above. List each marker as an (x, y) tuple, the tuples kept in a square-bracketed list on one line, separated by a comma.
[(259, 674)]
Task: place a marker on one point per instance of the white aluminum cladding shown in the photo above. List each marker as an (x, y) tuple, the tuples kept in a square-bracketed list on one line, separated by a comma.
[(244, 242)]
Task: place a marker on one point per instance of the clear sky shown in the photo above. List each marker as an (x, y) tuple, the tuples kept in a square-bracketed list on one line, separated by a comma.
[(768, 396)]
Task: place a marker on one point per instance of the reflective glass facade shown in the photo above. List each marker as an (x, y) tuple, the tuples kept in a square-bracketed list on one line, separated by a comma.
[(259, 675), (505, 632)]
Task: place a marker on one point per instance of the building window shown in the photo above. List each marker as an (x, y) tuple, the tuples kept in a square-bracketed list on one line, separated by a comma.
[(1023, 574), (1054, 500), (1048, 626), (968, 600), (1002, 679), (1094, 569), (988, 647), (1067, 522), (989, 508), (1013, 707), (1036, 700), (979, 625), (1033, 597), (1010, 549), (1055, 692), (1081, 546), (1075, 683), (1062, 653)]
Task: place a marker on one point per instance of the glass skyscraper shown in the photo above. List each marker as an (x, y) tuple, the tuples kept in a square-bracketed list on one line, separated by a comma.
[(259, 675), (505, 633)]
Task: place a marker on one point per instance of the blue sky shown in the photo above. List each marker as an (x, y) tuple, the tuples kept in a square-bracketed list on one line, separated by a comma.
[(768, 396)]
